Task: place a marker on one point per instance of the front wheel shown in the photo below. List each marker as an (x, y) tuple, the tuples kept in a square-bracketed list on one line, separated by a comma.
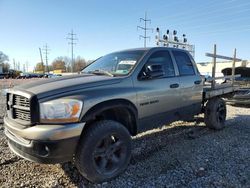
[(104, 151), (215, 113)]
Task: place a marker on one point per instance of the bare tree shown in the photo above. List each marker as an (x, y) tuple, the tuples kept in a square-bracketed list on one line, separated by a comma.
[(79, 64), (6, 67), (64, 63), (4, 62), (39, 67), (50, 68), (3, 57), (59, 63)]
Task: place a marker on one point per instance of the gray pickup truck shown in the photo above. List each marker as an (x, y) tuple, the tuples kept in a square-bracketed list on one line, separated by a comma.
[(90, 118)]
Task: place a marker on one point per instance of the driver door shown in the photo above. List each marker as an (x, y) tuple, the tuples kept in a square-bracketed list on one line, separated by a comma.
[(157, 94)]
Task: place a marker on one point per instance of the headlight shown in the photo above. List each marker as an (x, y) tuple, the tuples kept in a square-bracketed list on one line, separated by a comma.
[(60, 111)]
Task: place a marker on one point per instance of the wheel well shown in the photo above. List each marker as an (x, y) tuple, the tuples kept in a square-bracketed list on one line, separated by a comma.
[(121, 111)]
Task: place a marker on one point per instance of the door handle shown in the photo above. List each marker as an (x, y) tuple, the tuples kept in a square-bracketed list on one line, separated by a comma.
[(197, 82), (174, 85)]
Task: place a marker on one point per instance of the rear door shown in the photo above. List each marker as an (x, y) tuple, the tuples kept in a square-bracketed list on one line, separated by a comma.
[(190, 82)]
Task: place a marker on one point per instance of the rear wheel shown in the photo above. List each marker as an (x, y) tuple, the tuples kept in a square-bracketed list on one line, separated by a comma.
[(215, 113), (104, 151)]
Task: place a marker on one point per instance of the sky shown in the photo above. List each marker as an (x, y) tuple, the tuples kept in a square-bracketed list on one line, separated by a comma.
[(111, 25)]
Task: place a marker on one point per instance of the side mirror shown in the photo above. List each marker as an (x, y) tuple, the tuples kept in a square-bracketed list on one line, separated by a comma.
[(152, 71)]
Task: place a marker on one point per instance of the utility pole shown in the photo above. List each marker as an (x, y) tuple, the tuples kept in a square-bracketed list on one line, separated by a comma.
[(145, 28), (46, 52), (41, 59), (24, 70), (72, 38), (14, 63), (27, 66), (18, 66)]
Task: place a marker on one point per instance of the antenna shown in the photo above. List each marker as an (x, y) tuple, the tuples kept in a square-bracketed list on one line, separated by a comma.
[(145, 28)]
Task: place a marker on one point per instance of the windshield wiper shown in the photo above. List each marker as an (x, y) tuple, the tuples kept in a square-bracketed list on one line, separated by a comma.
[(101, 72)]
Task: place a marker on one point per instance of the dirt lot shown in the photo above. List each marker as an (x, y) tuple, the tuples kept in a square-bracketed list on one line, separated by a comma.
[(180, 155)]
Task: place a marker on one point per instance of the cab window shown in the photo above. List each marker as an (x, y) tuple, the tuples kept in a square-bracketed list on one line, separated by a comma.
[(160, 60), (184, 63)]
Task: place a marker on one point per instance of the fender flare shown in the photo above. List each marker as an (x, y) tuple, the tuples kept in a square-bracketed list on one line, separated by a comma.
[(110, 104)]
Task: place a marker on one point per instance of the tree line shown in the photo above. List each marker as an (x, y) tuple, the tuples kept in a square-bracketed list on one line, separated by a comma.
[(60, 63), (4, 62), (63, 63)]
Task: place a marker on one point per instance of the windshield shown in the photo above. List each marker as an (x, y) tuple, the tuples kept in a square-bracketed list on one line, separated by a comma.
[(119, 63)]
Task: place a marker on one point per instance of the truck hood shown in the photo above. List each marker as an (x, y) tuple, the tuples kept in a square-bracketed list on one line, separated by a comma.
[(59, 85)]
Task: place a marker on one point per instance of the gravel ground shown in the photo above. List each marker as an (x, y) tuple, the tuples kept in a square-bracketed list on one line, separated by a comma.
[(180, 155)]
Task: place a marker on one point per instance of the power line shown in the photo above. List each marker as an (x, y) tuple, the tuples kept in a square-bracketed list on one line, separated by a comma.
[(72, 39), (190, 11), (230, 21), (218, 32), (211, 14), (145, 28), (231, 24), (195, 17), (194, 12), (46, 52)]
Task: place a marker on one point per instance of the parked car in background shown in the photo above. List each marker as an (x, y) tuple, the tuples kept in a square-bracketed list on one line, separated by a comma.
[(242, 96)]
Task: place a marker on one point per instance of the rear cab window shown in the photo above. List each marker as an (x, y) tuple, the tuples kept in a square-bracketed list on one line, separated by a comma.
[(184, 63)]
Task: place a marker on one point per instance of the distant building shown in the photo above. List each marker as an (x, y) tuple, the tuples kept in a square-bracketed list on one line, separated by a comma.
[(58, 71), (205, 68), (39, 72)]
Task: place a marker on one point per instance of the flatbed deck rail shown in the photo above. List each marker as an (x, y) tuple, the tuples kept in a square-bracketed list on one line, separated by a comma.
[(213, 89), (219, 91)]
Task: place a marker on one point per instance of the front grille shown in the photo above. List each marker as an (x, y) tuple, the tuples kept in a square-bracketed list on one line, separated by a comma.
[(21, 101), (20, 107), (22, 114)]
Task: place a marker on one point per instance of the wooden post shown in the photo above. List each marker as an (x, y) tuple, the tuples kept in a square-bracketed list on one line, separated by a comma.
[(233, 68), (214, 68)]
